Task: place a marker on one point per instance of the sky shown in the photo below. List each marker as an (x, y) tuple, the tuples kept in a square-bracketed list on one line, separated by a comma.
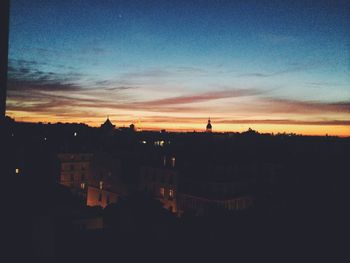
[(273, 66)]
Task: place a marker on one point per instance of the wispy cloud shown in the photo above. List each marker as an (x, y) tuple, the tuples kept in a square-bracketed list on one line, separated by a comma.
[(325, 84), (290, 68), (201, 97), (220, 120), (279, 39), (29, 75), (166, 72), (35, 91), (277, 105), (288, 122)]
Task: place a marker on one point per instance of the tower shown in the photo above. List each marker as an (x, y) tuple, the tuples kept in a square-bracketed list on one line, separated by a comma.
[(209, 127), (107, 125)]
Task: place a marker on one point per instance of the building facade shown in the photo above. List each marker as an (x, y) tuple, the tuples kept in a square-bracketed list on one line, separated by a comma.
[(95, 177), (161, 183)]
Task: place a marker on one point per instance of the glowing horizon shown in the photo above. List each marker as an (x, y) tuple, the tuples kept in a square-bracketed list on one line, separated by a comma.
[(315, 129), (271, 67)]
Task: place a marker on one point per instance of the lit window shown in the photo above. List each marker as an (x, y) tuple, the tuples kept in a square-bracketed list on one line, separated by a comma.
[(82, 186), (75, 134), (172, 161), (161, 191), (159, 143), (17, 170), (101, 185), (171, 194), (144, 142)]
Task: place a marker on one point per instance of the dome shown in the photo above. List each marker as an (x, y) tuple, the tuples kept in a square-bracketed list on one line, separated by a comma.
[(209, 127), (107, 124)]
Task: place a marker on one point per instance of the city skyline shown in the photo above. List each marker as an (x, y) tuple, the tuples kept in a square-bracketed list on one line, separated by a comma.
[(270, 66)]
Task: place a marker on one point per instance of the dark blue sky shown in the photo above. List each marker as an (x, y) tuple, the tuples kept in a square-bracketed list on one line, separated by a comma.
[(127, 53)]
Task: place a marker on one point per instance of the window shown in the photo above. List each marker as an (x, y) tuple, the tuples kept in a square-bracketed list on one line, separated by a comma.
[(164, 160), (161, 191), (17, 170), (82, 186), (82, 177), (101, 185), (171, 194), (172, 161)]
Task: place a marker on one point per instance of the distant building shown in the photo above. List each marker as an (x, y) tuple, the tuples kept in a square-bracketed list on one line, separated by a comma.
[(196, 189), (161, 183), (107, 125), (209, 127), (75, 169), (209, 187), (201, 205), (95, 177)]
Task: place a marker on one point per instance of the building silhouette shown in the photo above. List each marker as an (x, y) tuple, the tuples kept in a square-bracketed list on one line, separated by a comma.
[(208, 127), (107, 125)]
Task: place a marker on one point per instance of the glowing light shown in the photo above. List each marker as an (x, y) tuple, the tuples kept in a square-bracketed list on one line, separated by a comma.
[(75, 134), (172, 161), (159, 143), (101, 185), (17, 170), (144, 142), (82, 186)]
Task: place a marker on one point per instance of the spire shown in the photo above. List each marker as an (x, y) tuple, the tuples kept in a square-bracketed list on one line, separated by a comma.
[(209, 127), (107, 124)]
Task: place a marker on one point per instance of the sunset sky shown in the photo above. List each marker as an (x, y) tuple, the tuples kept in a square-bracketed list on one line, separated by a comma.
[(274, 66)]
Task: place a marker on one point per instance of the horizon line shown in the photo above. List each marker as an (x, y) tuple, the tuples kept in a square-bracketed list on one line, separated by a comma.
[(184, 130)]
